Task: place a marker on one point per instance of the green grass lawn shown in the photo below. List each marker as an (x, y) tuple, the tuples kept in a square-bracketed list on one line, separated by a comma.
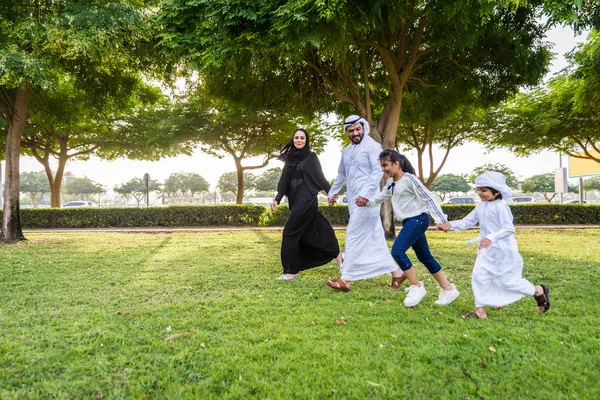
[(91, 315)]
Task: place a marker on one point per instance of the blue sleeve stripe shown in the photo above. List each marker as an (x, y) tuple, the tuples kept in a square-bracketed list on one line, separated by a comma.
[(424, 191)]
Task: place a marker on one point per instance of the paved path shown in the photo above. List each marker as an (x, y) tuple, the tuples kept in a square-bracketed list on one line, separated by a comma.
[(252, 228)]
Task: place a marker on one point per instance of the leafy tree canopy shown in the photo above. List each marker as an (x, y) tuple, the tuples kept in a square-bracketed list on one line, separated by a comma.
[(563, 116), (355, 55), (268, 180), (228, 183), (592, 184), (542, 183), (100, 43), (448, 184), (83, 188), (34, 185), (227, 128), (184, 184), (136, 188)]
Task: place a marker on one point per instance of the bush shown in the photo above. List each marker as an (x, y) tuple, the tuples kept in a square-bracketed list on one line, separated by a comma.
[(172, 216), (539, 214), (251, 215), (336, 215)]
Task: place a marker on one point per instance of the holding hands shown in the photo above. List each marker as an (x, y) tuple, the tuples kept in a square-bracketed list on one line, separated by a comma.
[(361, 201), (444, 226), (332, 200)]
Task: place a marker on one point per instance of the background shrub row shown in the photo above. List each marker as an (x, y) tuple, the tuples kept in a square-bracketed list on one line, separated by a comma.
[(540, 214), (173, 216), (250, 215), (525, 214)]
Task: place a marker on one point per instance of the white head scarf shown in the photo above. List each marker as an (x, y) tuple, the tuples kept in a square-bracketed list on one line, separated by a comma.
[(353, 119), (497, 181)]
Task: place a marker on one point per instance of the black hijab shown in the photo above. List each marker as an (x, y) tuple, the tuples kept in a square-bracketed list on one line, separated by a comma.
[(291, 155)]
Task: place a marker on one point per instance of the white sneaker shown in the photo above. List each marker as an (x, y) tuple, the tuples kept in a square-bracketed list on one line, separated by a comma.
[(285, 278), (447, 296), (414, 295)]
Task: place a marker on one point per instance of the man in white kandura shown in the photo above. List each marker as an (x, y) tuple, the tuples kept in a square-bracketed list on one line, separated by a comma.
[(366, 253)]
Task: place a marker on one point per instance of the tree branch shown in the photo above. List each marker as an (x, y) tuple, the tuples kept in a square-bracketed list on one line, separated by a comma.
[(82, 152), (415, 52), (329, 83), (389, 63), (7, 103), (403, 34), (352, 89), (363, 59)]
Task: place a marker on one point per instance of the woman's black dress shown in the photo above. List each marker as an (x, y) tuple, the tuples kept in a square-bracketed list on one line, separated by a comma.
[(308, 238)]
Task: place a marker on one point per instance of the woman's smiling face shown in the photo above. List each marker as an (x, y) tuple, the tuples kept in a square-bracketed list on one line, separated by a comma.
[(299, 140)]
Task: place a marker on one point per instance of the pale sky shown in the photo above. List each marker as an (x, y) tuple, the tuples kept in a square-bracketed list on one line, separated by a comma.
[(461, 160)]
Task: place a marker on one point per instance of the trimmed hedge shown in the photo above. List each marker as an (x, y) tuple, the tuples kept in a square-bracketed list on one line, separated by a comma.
[(336, 215), (172, 216), (251, 215), (540, 214), (525, 214)]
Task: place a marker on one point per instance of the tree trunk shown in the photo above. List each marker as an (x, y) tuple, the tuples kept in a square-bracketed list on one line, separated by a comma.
[(55, 199), (387, 219), (389, 142), (548, 198), (239, 197), (17, 120), (55, 184)]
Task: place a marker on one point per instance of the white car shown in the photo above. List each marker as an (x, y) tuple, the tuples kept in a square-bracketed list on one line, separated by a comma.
[(523, 199), (80, 203), (459, 200)]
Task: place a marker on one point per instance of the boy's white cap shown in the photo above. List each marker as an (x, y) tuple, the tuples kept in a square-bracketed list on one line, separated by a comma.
[(495, 180)]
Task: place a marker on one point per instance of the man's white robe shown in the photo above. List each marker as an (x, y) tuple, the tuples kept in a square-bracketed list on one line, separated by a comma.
[(366, 253), (497, 278)]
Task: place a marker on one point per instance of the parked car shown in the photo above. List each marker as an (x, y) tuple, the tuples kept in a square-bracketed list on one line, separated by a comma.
[(524, 199), (80, 204), (459, 200), (575, 202)]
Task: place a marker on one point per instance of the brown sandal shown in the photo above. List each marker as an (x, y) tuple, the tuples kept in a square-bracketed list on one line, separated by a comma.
[(470, 315), (543, 300), (397, 282), (338, 284)]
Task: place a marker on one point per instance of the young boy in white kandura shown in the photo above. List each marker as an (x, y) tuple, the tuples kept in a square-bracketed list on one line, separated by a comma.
[(497, 278)]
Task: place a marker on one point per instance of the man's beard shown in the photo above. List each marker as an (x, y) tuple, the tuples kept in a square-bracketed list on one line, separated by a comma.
[(356, 139)]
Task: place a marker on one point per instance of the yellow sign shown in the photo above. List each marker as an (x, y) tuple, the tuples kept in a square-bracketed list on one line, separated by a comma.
[(579, 167)]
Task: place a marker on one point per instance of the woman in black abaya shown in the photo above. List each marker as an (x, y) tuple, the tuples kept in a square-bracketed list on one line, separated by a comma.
[(308, 238)]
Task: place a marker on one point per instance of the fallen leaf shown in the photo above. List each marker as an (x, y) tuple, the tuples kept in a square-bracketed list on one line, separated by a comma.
[(311, 323), (341, 321), (373, 384), (176, 335), (493, 350)]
